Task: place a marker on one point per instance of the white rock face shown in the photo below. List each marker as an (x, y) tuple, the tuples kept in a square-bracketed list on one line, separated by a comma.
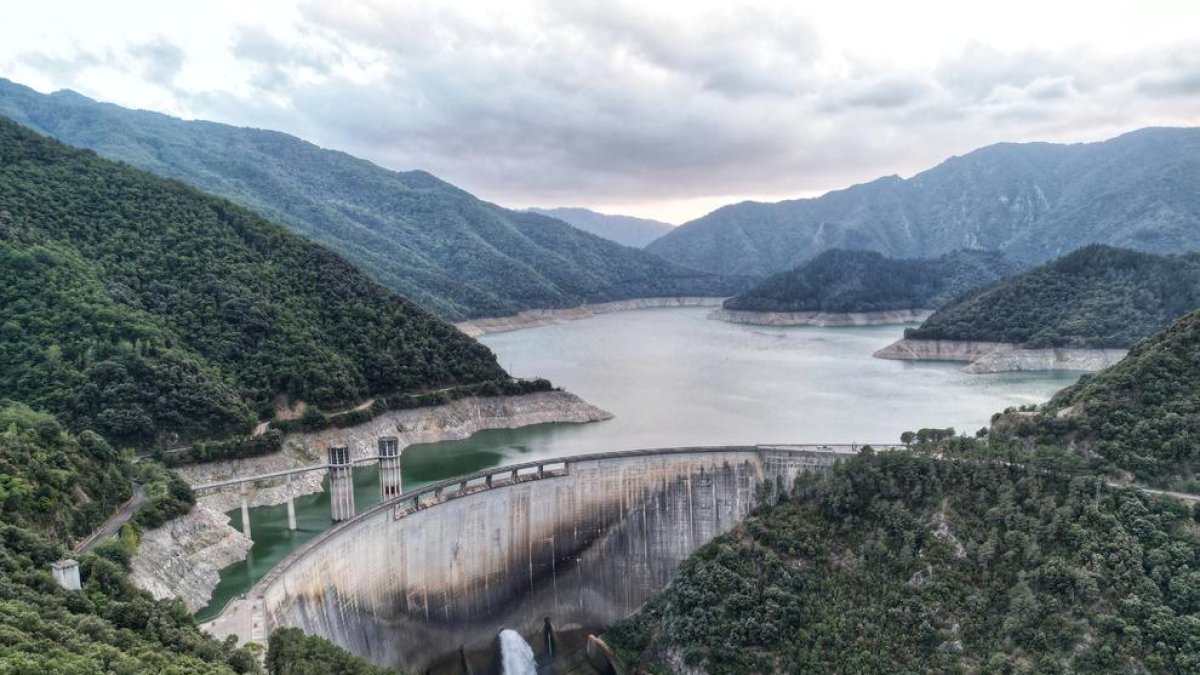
[(1001, 357), (543, 317), (184, 557), (825, 319)]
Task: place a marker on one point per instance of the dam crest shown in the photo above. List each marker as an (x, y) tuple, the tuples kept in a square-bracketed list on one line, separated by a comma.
[(582, 541)]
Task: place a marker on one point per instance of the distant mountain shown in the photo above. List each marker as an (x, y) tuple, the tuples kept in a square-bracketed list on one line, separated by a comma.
[(1033, 201), (866, 281), (455, 255), (625, 230), (1098, 296), (141, 308)]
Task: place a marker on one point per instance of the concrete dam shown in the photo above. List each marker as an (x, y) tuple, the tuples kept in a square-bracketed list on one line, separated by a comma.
[(425, 579)]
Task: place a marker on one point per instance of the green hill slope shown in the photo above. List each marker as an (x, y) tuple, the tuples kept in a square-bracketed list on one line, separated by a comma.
[(1098, 296), (453, 254), (866, 281), (144, 309), (903, 564), (1032, 201), (625, 230)]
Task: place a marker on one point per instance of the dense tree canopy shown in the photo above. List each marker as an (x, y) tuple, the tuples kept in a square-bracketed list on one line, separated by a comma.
[(141, 308), (898, 563), (864, 281), (1098, 296)]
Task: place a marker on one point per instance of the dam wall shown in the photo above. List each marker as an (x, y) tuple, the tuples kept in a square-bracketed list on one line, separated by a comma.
[(583, 541)]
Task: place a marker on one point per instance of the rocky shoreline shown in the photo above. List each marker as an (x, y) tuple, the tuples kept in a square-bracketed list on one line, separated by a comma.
[(1001, 357), (822, 319), (183, 558), (531, 318)]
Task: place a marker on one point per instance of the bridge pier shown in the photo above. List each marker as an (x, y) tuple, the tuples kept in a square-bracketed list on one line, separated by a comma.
[(246, 514), (390, 484), (341, 484), (291, 504)]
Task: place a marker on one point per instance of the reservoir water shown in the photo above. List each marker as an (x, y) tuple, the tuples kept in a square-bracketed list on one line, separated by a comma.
[(672, 377)]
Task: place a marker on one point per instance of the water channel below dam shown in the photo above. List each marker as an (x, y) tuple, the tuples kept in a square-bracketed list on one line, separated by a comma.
[(672, 377)]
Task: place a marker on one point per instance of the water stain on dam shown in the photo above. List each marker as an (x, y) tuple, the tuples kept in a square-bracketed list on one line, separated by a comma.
[(584, 541)]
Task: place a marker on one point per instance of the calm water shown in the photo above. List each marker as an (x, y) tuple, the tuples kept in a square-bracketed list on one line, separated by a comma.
[(674, 378)]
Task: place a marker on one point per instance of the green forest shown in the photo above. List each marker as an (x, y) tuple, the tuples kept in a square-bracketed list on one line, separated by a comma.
[(1097, 296), (865, 281), (147, 311), (901, 563)]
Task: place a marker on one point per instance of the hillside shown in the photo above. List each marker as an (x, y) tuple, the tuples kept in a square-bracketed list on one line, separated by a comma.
[(455, 255), (904, 564), (866, 281), (1098, 296), (1033, 201), (625, 230), (145, 310), (1143, 414)]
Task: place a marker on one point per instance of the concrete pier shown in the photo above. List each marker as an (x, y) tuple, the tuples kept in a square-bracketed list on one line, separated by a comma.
[(390, 485), (246, 513), (341, 484), (291, 504), (583, 541)]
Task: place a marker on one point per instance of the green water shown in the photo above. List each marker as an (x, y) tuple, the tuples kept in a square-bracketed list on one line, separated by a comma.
[(673, 378)]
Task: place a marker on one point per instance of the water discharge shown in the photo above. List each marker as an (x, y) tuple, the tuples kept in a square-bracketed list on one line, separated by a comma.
[(516, 656)]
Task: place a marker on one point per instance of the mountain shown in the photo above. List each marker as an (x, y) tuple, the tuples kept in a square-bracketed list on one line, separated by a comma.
[(1142, 415), (895, 563), (1098, 296), (625, 230), (1033, 201), (146, 310), (449, 252), (865, 281)]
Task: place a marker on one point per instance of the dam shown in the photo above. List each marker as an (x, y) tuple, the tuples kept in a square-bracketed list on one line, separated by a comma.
[(578, 543)]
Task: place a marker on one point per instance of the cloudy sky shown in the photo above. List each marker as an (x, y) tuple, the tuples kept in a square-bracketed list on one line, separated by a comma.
[(658, 109)]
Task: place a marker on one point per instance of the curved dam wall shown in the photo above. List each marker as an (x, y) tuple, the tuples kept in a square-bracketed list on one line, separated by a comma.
[(584, 541)]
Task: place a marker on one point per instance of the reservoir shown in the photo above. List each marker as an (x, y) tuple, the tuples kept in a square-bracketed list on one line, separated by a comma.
[(672, 377)]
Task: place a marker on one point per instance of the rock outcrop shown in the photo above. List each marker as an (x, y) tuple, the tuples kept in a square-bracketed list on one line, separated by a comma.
[(184, 557), (544, 317), (824, 319), (1000, 357)]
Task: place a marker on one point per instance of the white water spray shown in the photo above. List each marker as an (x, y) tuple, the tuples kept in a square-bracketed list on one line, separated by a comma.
[(516, 656)]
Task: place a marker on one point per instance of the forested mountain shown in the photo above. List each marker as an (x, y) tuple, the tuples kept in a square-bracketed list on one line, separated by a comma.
[(897, 563), (54, 487), (1033, 201), (453, 254), (626, 230), (1098, 296), (141, 308), (865, 281), (1141, 415)]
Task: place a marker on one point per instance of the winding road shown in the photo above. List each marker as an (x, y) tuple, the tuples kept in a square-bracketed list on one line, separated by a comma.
[(112, 526)]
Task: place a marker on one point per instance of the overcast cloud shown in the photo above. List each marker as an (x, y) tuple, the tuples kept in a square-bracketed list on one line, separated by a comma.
[(642, 107)]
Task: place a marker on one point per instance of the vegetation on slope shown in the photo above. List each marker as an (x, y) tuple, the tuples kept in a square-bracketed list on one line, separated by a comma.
[(1098, 296), (898, 563), (453, 254), (140, 308), (864, 281), (1032, 201), (625, 230), (54, 487), (1142, 415), (292, 652)]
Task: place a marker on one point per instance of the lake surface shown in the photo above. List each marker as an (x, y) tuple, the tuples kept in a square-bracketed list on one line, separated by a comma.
[(674, 378)]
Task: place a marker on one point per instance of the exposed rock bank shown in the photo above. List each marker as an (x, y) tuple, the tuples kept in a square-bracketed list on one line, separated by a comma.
[(1000, 357), (543, 317), (824, 319), (184, 557)]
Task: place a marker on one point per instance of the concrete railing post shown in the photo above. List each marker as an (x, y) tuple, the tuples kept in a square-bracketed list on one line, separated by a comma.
[(341, 484), (390, 484)]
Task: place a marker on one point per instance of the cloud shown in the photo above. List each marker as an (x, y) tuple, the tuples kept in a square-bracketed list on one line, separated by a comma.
[(162, 60)]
